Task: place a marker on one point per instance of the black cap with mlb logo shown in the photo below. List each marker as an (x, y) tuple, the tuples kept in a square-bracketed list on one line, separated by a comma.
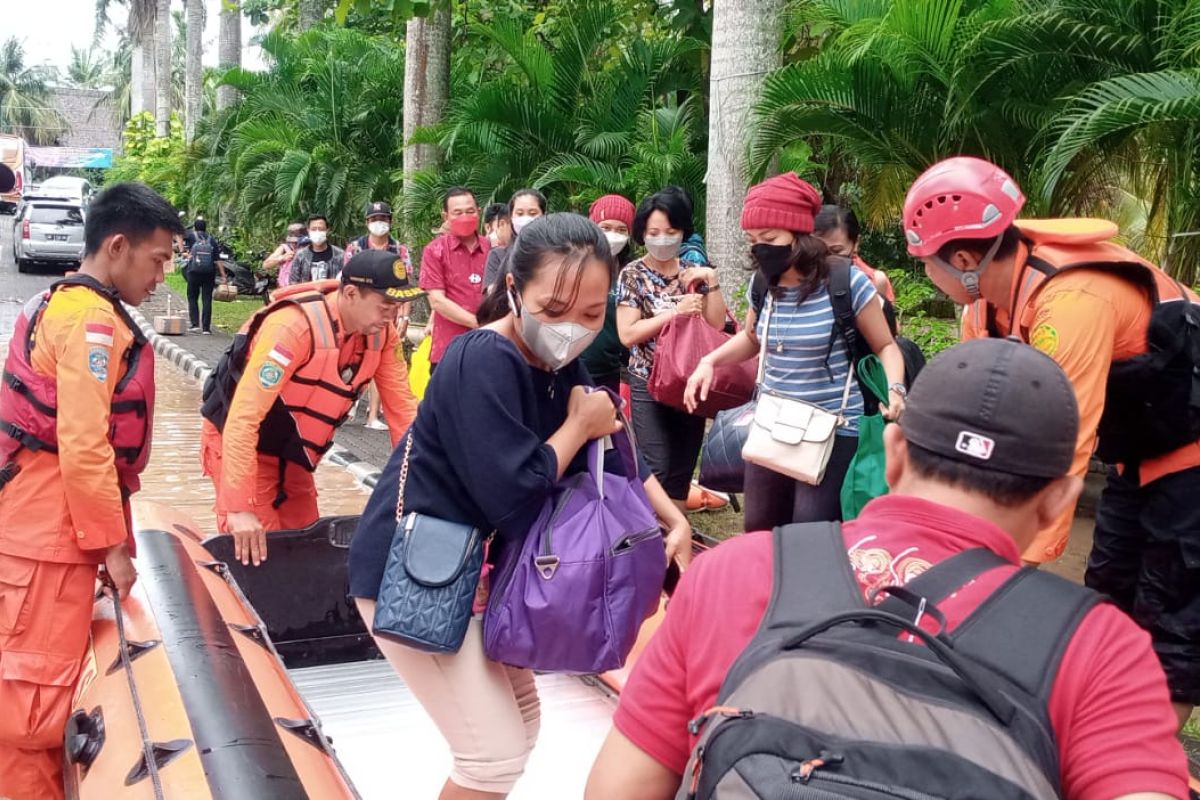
[(379, 209), (998, 405), (381, 270)]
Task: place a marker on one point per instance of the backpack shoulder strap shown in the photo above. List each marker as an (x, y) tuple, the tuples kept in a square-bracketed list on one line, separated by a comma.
[(841, 298), (812, 577), (1024, 627), (943, 578)]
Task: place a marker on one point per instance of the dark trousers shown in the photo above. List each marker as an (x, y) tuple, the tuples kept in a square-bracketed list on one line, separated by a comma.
[(199, 297), (772, 499), (1146, 557), (668, 439)]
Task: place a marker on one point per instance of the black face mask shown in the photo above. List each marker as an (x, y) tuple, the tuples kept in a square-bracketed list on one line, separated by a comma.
[(773, 259)]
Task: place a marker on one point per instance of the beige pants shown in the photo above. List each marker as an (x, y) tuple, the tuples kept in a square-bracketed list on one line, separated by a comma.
[(489, 713)]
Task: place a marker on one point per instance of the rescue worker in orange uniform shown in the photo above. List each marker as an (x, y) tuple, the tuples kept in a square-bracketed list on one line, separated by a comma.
[(288, 381), (1128, 337), (75, 415)]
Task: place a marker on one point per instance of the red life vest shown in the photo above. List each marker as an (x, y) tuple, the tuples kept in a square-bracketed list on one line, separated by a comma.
[(317, 399), (29, 400), (1152, 400)]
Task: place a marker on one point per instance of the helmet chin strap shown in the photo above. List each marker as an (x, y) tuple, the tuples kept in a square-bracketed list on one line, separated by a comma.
[(970, 278)]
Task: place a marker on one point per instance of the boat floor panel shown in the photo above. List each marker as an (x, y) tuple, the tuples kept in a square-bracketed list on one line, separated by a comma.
[(392, 749)]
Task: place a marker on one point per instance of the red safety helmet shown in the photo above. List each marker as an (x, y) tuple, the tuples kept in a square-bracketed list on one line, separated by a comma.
[(959, 198)]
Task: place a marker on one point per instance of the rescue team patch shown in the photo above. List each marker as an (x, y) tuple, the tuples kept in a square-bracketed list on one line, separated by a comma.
[(98, 333), (98, 362), (281, 354), (269, 375), (1044, 338), (399, 269)]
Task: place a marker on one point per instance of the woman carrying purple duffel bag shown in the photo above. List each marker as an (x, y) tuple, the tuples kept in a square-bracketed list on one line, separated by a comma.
[(506, 419)]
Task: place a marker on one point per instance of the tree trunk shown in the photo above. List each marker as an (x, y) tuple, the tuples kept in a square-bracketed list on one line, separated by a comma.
[(194, 88), (426, 84), (311, 12), (745, 47), (143, 91), (162, 69), (229, 48)]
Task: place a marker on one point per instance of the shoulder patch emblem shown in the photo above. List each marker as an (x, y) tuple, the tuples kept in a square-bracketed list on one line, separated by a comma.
[(269, 375), (399, 269), (98, 363), (1044, 338)]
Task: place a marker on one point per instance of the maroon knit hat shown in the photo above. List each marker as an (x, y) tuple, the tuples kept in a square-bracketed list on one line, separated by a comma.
[(784, 202), (614, 207)]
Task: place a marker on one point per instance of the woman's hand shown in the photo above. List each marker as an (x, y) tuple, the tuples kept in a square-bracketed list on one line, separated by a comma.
[(895, 406), (594, 412), (693, 275), (696, 390), (679, 544), (690, 305)]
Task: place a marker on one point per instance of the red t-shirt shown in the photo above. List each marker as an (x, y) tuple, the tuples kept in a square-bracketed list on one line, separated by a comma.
[(1109, 705), (448, 264)]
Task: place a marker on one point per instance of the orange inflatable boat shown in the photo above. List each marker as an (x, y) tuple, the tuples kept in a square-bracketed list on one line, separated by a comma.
[(186, 697)]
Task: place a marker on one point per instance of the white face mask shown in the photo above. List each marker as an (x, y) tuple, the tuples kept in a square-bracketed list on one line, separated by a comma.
[(556, 344), (664, 248), (379, 228), (616, 241), (494, 239), (519, 223), (318, 237)]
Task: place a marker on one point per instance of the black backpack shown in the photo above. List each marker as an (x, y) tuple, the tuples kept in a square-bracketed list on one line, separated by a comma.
[(828, 701), (845, 325), (203, 260)]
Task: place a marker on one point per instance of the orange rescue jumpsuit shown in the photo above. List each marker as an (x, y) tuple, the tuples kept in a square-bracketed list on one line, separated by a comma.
[(1085, 320), (58, 517), (247, 480)]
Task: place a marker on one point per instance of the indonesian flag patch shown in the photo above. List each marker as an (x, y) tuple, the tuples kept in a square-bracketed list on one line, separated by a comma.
[(281, 355), (98, 333)]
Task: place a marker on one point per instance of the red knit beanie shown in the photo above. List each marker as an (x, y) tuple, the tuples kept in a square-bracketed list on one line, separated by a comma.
[(784, 202), (614, 207)]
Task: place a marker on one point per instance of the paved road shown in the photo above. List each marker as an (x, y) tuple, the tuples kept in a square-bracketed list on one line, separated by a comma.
[(15, 288)]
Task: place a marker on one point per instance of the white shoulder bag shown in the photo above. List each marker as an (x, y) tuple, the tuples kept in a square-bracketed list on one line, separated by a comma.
[(792, 437)]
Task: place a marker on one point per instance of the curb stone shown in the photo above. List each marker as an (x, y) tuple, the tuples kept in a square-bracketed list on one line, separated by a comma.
[(198, 370)]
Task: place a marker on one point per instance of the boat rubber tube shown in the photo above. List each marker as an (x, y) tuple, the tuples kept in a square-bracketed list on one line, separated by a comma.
[(223, 718)]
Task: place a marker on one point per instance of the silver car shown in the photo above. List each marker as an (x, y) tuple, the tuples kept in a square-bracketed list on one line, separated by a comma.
[(49, 231)]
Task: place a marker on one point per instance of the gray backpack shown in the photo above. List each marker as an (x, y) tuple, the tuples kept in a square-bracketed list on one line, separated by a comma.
[(829, 700)]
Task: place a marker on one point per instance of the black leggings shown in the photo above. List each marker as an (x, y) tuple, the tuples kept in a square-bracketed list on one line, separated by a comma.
[(669, 439), (773, 499), (200, 288)]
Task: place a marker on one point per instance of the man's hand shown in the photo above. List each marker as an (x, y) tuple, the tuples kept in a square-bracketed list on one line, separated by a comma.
[(249, 537), (118, 566)]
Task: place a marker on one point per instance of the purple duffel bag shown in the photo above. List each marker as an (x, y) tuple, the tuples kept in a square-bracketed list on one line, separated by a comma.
[(589, 572)]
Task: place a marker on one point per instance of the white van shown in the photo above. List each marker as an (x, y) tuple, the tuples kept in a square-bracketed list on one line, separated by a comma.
[(68, 188)]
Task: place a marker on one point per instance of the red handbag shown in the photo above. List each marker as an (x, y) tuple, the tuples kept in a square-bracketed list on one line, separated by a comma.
[(681, 344)]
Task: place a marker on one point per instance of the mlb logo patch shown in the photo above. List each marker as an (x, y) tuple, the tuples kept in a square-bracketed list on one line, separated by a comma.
[(975, 445)]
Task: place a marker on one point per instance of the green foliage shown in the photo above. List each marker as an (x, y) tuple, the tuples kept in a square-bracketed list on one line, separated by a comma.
[(569, 104), (26, 107), (318, 132), (159, 163)]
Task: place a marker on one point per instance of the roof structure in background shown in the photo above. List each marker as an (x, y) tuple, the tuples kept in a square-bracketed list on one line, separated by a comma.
[(89, 117)]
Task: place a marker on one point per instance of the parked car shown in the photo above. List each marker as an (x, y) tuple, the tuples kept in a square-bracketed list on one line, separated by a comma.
[(68, 187), (49, 231)]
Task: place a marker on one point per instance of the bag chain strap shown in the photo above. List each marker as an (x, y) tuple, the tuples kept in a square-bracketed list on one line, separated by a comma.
[(403, 478)]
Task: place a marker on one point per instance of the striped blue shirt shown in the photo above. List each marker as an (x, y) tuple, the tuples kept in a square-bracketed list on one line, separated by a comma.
[(797, 345)]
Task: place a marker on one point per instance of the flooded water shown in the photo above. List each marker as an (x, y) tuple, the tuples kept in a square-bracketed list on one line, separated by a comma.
[(174, 477)]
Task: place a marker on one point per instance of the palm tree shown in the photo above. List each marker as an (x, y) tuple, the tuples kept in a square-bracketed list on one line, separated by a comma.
[(320, 130), (426, 86), (196, 18), (162, 69), (1117, 88), (26, 107), (745, 46), (140, 28), (558, 112), (88, 69), (229, 48)]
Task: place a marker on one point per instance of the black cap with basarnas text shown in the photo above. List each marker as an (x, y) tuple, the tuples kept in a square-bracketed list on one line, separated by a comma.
[(998, 405), (382, 271)]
